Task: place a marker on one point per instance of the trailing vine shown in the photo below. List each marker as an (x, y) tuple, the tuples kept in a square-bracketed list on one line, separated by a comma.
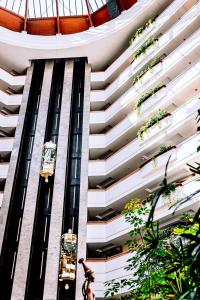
[(142, 50), (155, 119), (146, 96), (152, 63), (140, 30)]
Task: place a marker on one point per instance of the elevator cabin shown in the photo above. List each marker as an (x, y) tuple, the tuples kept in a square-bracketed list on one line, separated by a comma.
[(44, 195)]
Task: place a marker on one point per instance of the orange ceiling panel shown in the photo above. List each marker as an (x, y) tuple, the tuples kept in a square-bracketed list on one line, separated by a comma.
[(73, 24), (100, 16), (67, 25), (11, 20), (42, 26)]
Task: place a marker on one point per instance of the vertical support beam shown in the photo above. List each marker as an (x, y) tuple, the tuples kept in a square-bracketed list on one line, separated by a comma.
[(53, 254), (21, 271), (89, 14), (26, 14), (14, 156), (57, 17), (82, 227)]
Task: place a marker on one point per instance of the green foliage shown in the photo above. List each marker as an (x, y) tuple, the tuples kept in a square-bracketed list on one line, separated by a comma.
[(164, 148), (145, 46), (152, 121), (166, 192), (152, 63), (166, 262), (140, 30), (132, 205), (146, 264), (147, 95), (170, 189)]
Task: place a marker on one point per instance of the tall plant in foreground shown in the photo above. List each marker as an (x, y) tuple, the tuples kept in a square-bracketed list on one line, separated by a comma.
[(165, 263), (147, 264)]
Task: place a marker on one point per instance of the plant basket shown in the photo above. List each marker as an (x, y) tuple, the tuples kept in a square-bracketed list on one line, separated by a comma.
[(157, 128)]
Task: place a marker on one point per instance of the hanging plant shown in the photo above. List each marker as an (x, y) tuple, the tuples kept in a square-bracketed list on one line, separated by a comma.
[(142, 50), (146, 96), (155, 119), (140, 30), (152, 63)]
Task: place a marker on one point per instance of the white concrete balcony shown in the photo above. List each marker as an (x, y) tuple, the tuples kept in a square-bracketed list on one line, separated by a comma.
[(4, 170), (136, 182), (180, 88), (105, 232), (169, 41), (6, 144), (173, 65), (8, 121), (181, 121), (173, 12), (10, 100), (12, 80)]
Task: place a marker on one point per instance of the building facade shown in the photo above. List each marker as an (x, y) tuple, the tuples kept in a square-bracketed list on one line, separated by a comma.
[(73, 148)]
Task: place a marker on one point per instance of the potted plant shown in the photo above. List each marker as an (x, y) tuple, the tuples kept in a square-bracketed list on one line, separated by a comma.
[(148, 128), (140, 30), (143, 49), (146, 96), (152, 64)]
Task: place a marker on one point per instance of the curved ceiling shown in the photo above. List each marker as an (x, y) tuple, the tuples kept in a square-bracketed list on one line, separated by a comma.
[(101, 44), (49, 17), (48, 8)]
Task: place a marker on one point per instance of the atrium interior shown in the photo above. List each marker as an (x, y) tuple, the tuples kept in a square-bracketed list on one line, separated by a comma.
[(99, 103)]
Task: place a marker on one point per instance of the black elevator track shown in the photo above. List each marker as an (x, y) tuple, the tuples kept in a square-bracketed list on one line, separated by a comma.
[(38, 255), (73, 168), (15, 213)]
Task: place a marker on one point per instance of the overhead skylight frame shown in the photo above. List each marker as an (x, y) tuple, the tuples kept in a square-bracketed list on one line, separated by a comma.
[(47, 8)]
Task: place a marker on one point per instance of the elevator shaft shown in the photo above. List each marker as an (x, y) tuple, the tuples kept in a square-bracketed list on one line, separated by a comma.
[(73, 168), (37, 261), (16, 208)]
